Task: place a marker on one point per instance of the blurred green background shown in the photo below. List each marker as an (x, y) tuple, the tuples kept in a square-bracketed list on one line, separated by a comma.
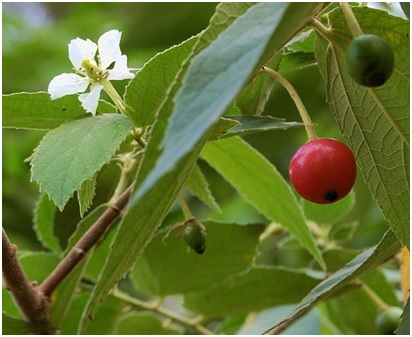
[(35, 39)]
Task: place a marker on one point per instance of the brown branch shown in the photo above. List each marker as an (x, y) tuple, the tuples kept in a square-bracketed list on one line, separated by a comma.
[(83, 246), (31, 302)]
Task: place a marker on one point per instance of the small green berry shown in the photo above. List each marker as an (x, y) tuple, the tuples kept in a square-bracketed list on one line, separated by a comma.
[(195, 236), (370, 60), (388, 321)]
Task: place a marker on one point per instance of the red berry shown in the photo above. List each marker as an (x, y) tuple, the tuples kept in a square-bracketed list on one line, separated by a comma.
[(323, 170)]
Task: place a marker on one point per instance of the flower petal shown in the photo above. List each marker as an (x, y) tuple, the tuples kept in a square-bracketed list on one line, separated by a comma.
[(80, 49), (67, 84), (120, 70), (109, 48), (91, 99)]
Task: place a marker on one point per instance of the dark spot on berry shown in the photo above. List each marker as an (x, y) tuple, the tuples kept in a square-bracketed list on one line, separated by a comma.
[(200, 249), (64, 109), (331, 195)]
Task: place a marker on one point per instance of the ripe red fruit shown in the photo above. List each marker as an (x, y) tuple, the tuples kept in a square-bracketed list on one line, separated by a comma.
[(323, 170)]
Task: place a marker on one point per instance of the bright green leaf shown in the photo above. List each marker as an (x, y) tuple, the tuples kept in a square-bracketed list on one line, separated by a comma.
[(86, 193), (374, 121), (145, 323), (199, 187), (330, 213), (258, 289), (44, 224), (167, 267), (258, 181), (361, 264), (147, 91), (74, 152), (37, 111)]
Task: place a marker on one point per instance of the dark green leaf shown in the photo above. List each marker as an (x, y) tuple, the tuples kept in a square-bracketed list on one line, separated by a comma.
[(374, 121), (13, 326), (404, 327), (37, 111), (145, 323), (44, 224), (364, 262), (167, 267), (255, 290)]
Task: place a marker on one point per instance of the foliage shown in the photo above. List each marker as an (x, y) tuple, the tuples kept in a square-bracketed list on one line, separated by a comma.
[(204, 133)]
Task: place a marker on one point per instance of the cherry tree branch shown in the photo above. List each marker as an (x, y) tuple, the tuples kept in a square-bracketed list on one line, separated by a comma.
[(32, 303), (83, 246)]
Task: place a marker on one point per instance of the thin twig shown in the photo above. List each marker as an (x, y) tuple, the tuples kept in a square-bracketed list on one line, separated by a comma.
[(31, 302), (83, 246), (194, 323)]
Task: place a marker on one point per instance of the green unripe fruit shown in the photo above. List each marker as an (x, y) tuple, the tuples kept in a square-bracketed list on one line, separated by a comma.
[(388, 321), (195, 236), (370, 60)]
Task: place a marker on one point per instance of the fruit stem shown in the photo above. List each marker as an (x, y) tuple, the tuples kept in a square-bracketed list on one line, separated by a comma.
[(309, 126), (351, 19), (382, 306), (185, 208)]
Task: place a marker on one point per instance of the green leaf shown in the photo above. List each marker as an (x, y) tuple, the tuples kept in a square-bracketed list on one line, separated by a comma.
[(363, 263), (222, 127), (44, 224), (38, 265), (147, 91), (249, 124), (252, 100), (259, 288), (13, 326), (74, 152), (405, 326), (65, 292), (145, 323), (258, 181), (86, 193), (374, 121), (37, 111), (220, 71), (166, 267), (199, 187), (330, 213)]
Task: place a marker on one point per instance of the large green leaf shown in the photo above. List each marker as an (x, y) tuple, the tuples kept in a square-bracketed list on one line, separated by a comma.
[(364, 262), (374, 121), (13, 326), (220, 71), (167, 267), (144, 217), (258, 181), (37, 111), (257, 289), (74, 152)]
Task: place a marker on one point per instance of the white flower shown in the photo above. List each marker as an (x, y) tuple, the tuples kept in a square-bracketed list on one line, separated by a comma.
[(82, 55)]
